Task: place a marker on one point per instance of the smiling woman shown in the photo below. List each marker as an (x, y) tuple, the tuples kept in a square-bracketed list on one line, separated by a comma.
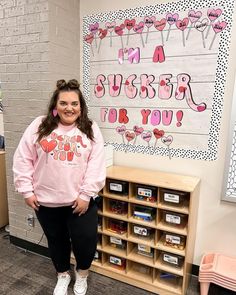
[(59, 167)]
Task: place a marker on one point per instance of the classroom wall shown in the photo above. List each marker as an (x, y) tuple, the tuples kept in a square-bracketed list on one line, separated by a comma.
[(216, 220)]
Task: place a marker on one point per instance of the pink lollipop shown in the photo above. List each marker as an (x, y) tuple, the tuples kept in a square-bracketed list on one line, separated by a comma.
[(171, 19), (193, 17), (149, 21)]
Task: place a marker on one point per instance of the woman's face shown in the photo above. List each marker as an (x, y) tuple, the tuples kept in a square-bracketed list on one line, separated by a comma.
[(68, 107)]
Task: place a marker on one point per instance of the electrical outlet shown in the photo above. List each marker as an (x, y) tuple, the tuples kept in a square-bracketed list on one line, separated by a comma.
[(30, 220)]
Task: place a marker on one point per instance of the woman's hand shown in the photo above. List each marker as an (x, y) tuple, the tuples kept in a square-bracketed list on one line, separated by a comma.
[(32, 202), (80, 206)]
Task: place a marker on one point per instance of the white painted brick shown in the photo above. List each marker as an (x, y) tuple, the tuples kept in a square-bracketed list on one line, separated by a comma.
[(33, 76), (2, 50), (30, 57), (15, 85), (44, 37), (14, 11), (45, 56), (37, 27), (7, 3), (3, 68), (38, 85), (8, 59), (17, 68), (1, 13), (12, 49), (39, 7), (38, 67), (12, 31), (39, 47), (28, 38), (9, 77), (28, 19), (2, 32), (44, 16), (8, 22)]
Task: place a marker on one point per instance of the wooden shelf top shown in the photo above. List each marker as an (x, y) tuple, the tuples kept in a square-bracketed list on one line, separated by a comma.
[(155, 178)]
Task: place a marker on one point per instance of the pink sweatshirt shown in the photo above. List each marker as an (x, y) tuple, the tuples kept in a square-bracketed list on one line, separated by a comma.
[(61, 167)]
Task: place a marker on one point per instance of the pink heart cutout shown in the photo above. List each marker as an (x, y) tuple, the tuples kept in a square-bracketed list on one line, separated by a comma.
[(158, 133), (213, 14), (48, 146), (172, 18), (194, 16), (182, 24), (167, 140), (121, 129), (160, 25), (102, 33), (139, 27), (201, 25), (146, 136), (129, 135), (119, 30), (93, 28), (149, 21), (129, 24), (138, 130), (110, 26), (219, 27), (89, 38)]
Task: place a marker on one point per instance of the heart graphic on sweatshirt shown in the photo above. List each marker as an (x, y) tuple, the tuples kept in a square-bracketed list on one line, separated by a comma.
[(48, 146)]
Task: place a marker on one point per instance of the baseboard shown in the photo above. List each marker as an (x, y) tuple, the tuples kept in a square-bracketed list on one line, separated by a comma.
[(44, 250)]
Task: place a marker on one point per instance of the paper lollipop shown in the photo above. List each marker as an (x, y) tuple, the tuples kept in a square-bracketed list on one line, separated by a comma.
[(110, 28), (121, 130), (171, 19), (182, 25), (129, 24), (158, 134), (147, 137), (212, 14), (160, 25), (119, 31), (129, 136), (217, 27), (93, 28), (138, 131), (89, 39), (48, 146), (139, 29), (201, 26), (167, 140), (149, 21), (101, 34), (193, 17)]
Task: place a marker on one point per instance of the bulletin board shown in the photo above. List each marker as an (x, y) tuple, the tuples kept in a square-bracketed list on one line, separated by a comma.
[(229, 184), (154, 76)]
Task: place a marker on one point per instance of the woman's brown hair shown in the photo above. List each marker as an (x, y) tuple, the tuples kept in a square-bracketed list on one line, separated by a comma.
[(49, 123)]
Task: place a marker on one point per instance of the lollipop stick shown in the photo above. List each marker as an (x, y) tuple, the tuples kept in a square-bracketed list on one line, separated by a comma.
[(208, 30), (183, 38), (122, 44), (99, 45), (110, 39), (212, 41), (127, 40), (95, 38), (189, 31), (147, 35), (123, 139), (203, 40), (91, 46), (162, 38), (168, 34), (141, 36)]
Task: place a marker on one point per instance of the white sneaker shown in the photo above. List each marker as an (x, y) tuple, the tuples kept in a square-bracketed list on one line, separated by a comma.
[(63, 281), (80, 286)]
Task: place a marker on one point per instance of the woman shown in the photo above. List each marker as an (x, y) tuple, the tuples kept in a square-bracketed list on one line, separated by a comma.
[(59, 167)]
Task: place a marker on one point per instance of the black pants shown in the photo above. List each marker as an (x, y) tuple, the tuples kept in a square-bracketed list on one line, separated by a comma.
[(65, 231)]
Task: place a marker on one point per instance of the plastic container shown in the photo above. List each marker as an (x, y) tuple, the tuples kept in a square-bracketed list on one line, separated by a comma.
[(118, 207), (146, 193), (144, 213), (172, 259), (117, 243), (117, 226), (142, 231), (172, 197), (169, 278), (174, 219), (145, 250), (117, 262), (118, 187), (173, 240)]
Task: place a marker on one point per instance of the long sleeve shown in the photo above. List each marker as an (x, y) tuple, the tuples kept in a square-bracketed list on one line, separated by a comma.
[(95, 174), (24, 159)]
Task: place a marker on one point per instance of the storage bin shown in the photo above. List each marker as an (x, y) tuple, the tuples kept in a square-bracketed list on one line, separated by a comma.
[(118, 207), (142, 231), (117, 262), (174, 219), (145, 250), (117, 226), (172, 259), (117, 243), (144, 213), (174, 240), (146, 193), (118, 187), (172, 197)]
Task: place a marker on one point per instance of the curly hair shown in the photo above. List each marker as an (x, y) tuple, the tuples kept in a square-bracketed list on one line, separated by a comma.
[(49, 123)]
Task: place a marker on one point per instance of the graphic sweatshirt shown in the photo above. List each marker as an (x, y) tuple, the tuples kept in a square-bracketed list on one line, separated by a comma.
[(61, 167)]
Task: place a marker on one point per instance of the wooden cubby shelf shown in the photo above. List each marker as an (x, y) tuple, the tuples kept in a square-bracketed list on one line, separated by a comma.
[(147, 227)]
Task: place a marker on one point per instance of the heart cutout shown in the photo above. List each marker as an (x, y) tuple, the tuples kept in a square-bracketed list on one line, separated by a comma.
[(110, 26), (89, 38), (182, 24), (119, 30), (48, 146), (146, 136), (121, 129), (129, 24), (160, 25), (138, 130), (172, 18), (129, 135), (213, 14), (93, 28), (194, 16), (219, 27), (167, 140), (102, 33), (139, 27), (158, 133), (201, 25), (149, 21)]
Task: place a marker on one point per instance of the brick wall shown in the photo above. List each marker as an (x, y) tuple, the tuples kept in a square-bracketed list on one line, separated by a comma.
[(39, 43)]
